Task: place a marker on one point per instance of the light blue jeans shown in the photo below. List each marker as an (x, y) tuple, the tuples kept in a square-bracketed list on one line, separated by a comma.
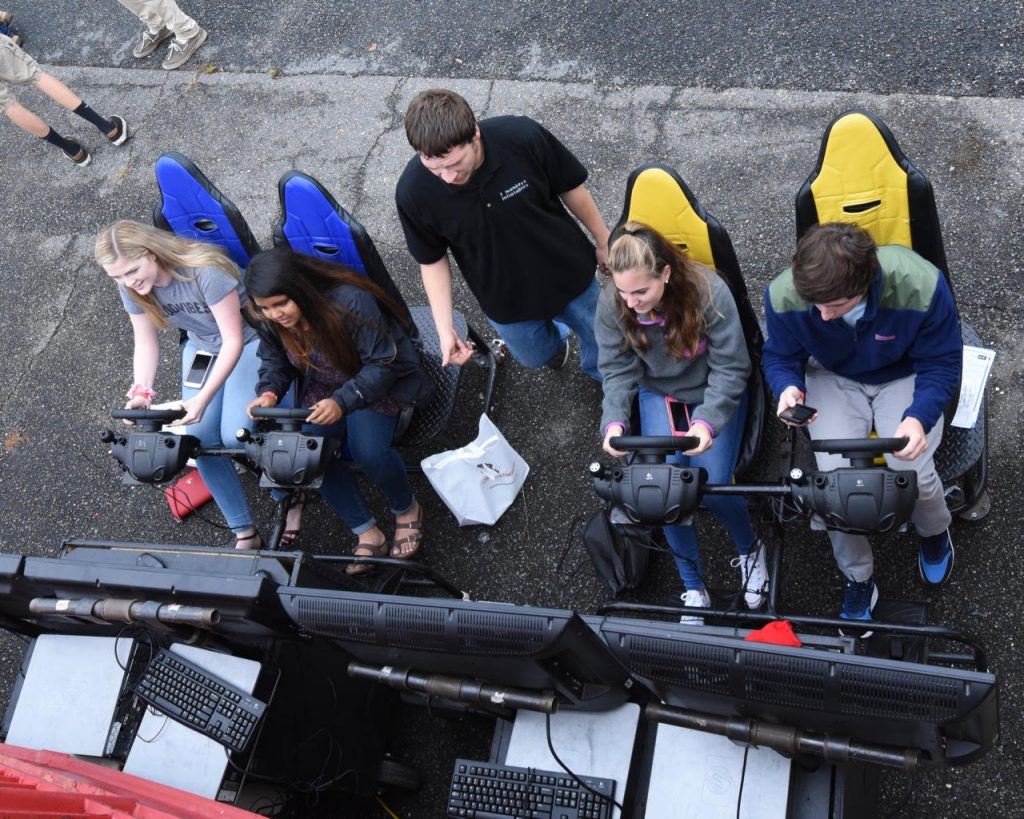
[(534, 343), (720, 462), (224, 416)]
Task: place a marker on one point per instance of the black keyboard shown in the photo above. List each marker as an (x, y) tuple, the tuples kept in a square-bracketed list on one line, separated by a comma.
[(197, 699), (485, 790)]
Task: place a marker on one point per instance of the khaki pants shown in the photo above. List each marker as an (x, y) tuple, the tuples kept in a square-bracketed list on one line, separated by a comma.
[(157, 14), (848, 409), (16, 68)]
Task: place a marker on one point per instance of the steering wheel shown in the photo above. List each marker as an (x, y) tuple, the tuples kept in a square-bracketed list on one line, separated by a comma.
[(859, 451), (289, 418), (149, 420), (652, 444)]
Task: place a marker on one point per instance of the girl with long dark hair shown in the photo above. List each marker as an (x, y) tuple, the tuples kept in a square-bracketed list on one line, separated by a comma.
[(342, 337)]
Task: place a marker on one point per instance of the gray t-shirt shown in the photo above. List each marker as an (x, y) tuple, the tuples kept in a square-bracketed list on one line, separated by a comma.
[(186, 304)]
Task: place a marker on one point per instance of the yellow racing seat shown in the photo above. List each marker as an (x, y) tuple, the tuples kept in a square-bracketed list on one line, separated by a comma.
[(657, 196), (863, 177)]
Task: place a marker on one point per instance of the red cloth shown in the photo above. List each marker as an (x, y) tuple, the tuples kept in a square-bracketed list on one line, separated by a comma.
[(777, 632)]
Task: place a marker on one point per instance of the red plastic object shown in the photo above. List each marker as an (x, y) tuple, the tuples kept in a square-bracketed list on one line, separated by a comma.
[(777, 632), (51, 785), (186, 495)]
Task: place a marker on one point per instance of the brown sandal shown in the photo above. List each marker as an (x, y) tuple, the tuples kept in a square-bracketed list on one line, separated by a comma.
[(296, 505), (368, 550), (251, 542), (408, 545)]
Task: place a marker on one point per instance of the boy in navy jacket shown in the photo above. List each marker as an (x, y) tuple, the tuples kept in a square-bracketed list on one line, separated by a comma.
[(870, 337)]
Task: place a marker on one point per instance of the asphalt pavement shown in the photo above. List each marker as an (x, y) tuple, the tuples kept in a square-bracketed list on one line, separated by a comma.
[(734, 96)]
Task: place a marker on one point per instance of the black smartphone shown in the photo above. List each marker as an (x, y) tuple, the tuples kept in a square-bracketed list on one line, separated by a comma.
[(202, 363), (678, 415), (799, 414)]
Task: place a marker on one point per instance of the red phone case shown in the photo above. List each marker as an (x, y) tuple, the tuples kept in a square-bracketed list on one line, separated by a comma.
[(669, 401), (187, 494)]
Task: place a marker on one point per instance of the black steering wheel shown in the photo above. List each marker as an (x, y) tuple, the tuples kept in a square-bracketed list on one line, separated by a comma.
[(290, 419), (149, 420), (651, 444), (859, 451), (879, 445)]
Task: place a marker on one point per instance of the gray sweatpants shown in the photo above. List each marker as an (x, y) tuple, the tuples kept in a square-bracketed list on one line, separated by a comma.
[(157, 14), (849, 409)]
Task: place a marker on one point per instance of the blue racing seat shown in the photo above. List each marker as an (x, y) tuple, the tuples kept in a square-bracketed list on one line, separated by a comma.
[(193, 207), (313, 222), (863, 177), (657, 196)]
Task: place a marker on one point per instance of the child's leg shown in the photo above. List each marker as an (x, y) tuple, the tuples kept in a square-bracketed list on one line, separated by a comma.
[(62, 95), (26, 120)]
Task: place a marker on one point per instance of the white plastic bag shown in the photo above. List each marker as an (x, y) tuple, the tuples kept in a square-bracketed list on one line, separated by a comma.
[(479, 481)]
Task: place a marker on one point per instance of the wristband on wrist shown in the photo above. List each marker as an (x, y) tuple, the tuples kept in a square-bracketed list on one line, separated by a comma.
[(706, 425), (140, 391), (269, 393)]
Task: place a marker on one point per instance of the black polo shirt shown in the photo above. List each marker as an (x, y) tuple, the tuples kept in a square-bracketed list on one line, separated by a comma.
[(520, 251)]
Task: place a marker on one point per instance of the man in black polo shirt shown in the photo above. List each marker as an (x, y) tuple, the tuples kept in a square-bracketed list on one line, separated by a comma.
[(495, 193)]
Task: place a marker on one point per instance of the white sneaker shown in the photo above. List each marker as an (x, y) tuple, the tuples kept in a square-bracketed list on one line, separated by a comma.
[(753, 575), (695, 599)]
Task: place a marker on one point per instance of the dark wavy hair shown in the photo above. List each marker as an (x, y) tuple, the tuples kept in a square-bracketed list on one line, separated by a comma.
[(309, 282), (636, 246)]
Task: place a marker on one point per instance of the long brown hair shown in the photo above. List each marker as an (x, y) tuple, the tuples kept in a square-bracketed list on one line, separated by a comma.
[(636, 246), (132, 240), (309, 282)]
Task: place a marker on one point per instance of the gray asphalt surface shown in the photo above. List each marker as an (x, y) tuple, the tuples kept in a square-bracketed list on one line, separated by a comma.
[(734, 95)]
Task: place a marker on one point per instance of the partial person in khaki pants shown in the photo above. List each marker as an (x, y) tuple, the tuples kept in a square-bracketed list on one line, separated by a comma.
[(164, 21), (18, 68)]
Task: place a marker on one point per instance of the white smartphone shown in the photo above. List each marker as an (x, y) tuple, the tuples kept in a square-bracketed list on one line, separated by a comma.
[(199, 369)]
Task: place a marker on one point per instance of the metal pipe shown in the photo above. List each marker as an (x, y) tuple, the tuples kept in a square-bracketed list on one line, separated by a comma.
[(116, 610), (786, 739), (459, 689)]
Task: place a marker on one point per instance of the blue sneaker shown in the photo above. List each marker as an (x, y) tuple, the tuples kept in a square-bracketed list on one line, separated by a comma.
[(858, 602), (935, 560)]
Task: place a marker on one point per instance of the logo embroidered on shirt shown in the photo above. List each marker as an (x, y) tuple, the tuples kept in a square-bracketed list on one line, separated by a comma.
[(514, 190), (880, 337)]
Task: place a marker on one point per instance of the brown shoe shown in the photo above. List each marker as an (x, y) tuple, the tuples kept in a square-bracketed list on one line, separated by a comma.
[(180, 53), (408, 545), (363, 549), (148, 43)]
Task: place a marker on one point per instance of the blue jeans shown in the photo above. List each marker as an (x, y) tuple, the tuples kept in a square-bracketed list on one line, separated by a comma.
[(720, 462), (225, 415), (534, 343), (368, 434)]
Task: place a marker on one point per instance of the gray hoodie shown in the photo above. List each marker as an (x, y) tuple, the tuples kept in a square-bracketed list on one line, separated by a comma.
[(711, 383)]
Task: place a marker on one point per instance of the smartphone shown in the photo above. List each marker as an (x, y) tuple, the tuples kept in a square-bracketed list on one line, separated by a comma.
[(678, 415), (799, 414), (202, 363)]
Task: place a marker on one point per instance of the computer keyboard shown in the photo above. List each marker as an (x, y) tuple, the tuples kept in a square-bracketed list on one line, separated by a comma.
[(485, 790), (197, 699)]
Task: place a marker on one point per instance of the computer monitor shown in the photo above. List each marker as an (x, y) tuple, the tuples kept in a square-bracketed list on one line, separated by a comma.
[(951, 715), (239, 586), (537, 649)]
